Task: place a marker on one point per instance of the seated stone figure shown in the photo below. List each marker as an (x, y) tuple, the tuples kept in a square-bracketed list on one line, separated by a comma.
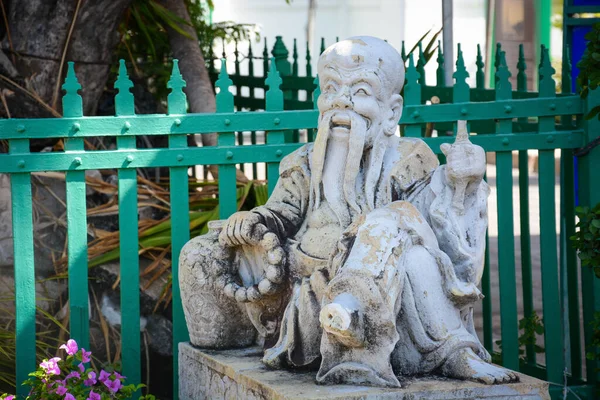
[(365, 261)]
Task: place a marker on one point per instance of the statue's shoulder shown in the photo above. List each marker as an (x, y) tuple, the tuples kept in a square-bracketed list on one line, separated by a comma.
[(298, 159), (413, 160)]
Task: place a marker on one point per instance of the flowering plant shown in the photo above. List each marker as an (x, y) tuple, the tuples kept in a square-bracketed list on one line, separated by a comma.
[(69, 379)]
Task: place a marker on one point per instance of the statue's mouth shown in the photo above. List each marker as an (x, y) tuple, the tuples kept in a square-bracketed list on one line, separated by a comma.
[(341, 120)]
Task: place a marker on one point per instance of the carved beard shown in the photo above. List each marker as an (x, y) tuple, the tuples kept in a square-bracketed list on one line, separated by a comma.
[(351, 190)]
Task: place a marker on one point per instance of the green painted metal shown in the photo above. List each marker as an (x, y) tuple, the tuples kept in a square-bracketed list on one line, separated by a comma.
[(549, 261), (274, 102), (421, 66), (227, 178), (76, 221), (568, 253), (128, 237), (412, 95), (180, 217), (499, 117), (525, 240), (480, 74), (439, 72), (506, 239), (22, 211)]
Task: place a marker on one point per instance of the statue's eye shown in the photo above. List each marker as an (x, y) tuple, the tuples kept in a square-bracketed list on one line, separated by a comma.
[(361, 91), (329, 88)]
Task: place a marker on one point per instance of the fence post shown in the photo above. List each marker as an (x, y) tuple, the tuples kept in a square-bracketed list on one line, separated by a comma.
[(227, 174), (76, 218), (412, 96), (552, 302), (589, 195), (506, 239), (128, 235), (524, 215), (274, 102), (180, 216)]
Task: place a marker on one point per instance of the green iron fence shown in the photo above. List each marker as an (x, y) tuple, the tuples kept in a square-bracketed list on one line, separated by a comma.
[(505, 121)]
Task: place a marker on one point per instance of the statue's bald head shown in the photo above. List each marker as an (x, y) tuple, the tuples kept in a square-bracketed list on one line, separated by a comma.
[(366, 52)]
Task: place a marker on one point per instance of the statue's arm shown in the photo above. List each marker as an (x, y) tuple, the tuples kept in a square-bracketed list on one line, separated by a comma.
[(286, 208), (459, 228)]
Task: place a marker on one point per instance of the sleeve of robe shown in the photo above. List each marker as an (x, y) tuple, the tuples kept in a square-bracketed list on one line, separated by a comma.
[(420, 179), (286, 208)]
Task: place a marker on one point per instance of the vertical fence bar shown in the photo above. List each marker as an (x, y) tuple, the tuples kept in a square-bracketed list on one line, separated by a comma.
[(128, 236), (486, 288), (506, 239), (525, 238), (180, 216), (421, 66), (568, 254), (316, 92), (79, 325), (412, 96), (24, 268), (440, 72), (589, 195), (227, 178), (555, 362), (274, 102)]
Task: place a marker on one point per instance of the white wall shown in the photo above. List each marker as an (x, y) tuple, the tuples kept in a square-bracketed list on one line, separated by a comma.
[(393, 20)]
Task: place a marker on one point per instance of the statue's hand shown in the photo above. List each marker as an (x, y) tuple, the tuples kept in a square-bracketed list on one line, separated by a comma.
[(242, 228), (465, 164)]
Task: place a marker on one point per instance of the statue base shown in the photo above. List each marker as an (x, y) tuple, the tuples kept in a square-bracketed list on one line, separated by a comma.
[(239, 374)]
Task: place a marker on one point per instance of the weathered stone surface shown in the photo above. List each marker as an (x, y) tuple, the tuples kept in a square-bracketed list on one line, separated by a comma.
[(239, 374), (365, 260)]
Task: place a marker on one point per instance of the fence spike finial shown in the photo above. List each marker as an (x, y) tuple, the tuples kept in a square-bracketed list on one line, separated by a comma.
[(265, 59), (274, 96), (547, 86), (295, 59), (72, 102), (460, 75), (403, 53), (440, 72), (503, 85), (521, 68), (250, 59), (308, 58), (566, 81), (316, 93), (421, 65), (322, 45), (224, 98), (176, 100), (236, 60), (124, 103), (480, 74)]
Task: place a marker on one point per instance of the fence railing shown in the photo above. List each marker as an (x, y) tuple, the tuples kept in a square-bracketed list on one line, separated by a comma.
[(520, 122)]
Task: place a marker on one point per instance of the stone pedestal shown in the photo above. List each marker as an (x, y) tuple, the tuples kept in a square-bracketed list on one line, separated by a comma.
[(239, 374)]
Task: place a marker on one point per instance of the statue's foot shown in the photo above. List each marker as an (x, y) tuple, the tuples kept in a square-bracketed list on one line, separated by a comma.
[(465, 364), (343, 319)]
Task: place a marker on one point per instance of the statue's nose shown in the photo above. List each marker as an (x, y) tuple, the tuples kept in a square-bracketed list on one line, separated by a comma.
[(342, 99)]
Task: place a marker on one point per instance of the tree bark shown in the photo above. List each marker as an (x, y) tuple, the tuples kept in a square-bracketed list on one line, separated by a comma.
[(39, 31), (199, 89)]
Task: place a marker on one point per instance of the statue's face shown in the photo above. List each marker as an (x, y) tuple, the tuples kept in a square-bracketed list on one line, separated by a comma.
[(346, 90)]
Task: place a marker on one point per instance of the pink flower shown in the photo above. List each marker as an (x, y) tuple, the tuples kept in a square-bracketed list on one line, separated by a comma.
[(91, 379), (103, 376), (50, 366), (61, 390), (71, 347), (85, 355), (73, 374), (114, 386), (94, 396), (69, 396), (81, 368), (118, 375), (12, 397)]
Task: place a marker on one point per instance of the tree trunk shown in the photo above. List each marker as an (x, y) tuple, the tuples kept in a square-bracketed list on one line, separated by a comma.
[(39, 33), (199, 89)]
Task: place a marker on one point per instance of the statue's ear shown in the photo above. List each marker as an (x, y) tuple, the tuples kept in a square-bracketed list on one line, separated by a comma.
[(394, 115)]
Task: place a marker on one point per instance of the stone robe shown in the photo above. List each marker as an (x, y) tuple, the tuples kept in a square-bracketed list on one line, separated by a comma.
[(426, 308)]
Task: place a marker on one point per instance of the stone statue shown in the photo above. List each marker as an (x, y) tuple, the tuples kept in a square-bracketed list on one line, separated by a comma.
[(365, 261)]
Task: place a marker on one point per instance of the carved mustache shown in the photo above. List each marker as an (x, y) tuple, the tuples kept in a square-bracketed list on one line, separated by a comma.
[(343, 118)]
